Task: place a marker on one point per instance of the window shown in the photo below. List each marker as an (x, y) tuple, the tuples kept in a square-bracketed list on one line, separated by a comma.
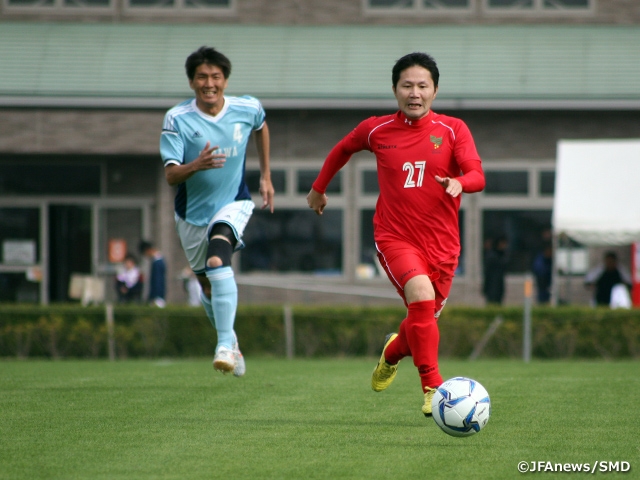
[(19, 236), (175, 3), (517, 203), (16, 287), (370, 182), (525, 231), (19, 251), (368, 250), (40, 179), (122, 175), (183, 6), (391, 3), (68, 6), (278, 180), (547, 183), (293, 240), (418, 6), (506, 182), (307, 177), (59, 3), (131, 6), (120, 223), (539, 6)]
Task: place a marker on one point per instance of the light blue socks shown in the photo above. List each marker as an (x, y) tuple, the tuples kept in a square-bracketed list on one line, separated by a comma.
[(221, 309)]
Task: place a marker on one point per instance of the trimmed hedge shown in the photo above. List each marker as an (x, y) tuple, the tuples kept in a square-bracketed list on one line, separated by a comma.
[(73, 331)]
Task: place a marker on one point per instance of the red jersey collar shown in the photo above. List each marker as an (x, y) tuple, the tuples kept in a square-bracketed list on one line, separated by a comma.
[(401, 117)]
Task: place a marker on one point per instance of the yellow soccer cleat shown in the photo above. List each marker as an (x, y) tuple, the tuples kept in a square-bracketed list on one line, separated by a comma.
[(428, 396), (384, 373)]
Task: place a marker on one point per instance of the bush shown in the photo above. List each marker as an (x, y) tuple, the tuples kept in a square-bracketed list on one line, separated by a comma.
[(62, 331)]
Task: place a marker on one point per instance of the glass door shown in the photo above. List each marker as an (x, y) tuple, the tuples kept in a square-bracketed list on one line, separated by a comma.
[(69, 247)]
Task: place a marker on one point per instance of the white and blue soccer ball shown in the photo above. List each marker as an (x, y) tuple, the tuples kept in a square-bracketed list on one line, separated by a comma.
[(461, 407)]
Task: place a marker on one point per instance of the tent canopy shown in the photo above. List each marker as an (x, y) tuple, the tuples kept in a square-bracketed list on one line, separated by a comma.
[(597, 191)]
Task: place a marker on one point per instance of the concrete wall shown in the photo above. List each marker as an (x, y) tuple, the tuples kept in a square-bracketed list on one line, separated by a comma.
[(305, 134)]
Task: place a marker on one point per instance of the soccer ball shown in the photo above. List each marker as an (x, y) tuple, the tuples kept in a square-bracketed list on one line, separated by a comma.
[(461, 407)]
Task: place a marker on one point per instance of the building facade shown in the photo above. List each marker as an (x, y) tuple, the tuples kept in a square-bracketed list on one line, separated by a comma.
[(84, 88)]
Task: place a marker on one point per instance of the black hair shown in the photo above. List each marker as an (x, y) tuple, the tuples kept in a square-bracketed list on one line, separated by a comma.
[(415, 59), (143, 246), (132, 257), (210, 56)]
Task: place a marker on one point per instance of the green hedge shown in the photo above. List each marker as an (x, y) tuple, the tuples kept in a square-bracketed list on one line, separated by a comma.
[(64, 331)]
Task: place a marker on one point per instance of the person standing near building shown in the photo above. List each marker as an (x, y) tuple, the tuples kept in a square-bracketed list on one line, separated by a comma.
[(604, 277), (495, 269), (543, 272), (157, 274), (425, 161), (129, 281), (203, 146)]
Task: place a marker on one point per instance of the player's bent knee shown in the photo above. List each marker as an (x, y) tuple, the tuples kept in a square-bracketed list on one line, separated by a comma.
[(219, 253), (419, 289), (214, 262)]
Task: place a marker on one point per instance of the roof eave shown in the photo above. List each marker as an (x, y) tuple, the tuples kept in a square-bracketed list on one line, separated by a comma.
[(164, 103)]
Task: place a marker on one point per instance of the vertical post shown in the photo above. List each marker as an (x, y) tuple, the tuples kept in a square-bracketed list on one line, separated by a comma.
[(555, 277), (635, 274), (288, 330), (44, 253), (477, 350), (111, 338), (526, 329)]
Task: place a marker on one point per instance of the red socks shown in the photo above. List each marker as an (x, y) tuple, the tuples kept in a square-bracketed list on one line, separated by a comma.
[(418, 337)]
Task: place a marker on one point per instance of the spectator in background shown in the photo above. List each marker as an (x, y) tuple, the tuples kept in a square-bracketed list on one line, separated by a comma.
[(542, 270), (157, 274), (191, 286), (603, 278), (129, 281), (495, 268)]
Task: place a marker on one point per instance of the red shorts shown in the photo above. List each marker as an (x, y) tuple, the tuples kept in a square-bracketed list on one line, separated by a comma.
[(403, 261)]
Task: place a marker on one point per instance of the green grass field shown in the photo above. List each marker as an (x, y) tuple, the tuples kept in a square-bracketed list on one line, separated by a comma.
[(304, 419)]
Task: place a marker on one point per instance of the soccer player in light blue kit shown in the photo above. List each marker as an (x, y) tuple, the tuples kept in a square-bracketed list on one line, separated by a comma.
[(203, 147)]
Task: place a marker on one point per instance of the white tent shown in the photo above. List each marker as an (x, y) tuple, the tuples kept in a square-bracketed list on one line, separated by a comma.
[(597, 191)]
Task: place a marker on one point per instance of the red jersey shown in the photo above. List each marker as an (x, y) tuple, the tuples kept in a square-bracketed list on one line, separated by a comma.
[(413, 207)]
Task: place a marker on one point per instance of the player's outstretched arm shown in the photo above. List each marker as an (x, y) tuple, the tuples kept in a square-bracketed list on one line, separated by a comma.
[(317, 201), (263, 143), (177, 174)]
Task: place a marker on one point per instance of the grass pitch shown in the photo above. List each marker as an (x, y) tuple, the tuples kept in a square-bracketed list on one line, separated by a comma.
[(304, 419)]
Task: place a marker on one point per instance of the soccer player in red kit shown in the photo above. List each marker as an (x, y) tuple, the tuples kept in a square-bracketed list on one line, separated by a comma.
[(425, 161)]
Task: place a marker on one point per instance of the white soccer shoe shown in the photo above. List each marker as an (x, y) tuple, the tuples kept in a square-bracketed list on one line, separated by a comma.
[(240, 367), (224, 361)]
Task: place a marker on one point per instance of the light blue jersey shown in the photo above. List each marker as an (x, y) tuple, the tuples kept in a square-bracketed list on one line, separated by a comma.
[(186, 131)]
